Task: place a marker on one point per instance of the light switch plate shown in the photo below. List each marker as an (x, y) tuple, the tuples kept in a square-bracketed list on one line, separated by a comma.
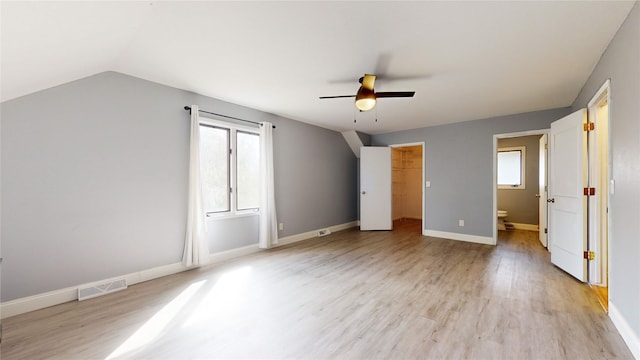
[(612, 186)]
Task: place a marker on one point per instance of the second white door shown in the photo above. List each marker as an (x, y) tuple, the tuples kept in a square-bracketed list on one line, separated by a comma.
[(375, 188)]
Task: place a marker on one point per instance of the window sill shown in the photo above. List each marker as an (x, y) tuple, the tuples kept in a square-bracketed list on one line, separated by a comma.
[(508, 187), (225, 216)]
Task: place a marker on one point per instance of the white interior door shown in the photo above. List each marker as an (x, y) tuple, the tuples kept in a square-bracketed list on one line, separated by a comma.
[(567, 203), (542, 191), (375, 188)]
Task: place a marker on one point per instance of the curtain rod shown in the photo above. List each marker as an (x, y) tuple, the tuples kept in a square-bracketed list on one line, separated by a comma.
[(188, 108)]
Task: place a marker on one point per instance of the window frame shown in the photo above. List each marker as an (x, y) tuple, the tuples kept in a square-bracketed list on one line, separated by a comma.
[(235, 157), (523, 156), (232, 169), (228, 166)]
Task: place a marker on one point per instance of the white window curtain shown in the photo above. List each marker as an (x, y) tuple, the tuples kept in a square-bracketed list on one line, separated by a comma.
[(268, 235), (196, 249)]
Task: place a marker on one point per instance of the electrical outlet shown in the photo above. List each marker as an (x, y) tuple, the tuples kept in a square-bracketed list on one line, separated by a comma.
[(281, 226), (460, 222), (323, 232)]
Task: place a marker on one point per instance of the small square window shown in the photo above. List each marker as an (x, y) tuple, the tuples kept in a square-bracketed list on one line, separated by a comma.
[(511, 165)]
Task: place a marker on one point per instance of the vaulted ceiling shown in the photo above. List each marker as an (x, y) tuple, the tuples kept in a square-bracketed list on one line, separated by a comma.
[(465, 60)]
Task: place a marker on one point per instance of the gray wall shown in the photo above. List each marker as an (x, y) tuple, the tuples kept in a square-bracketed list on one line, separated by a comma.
[(94, 181), (522, 204), (365, 138), (621, 64), (459, 164)]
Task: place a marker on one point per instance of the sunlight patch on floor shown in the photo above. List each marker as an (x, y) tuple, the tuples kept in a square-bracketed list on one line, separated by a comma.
[(154, 326), (223, 296)]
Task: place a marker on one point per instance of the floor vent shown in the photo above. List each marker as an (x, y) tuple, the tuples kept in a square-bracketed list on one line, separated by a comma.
[(92, 290), (323, 232)]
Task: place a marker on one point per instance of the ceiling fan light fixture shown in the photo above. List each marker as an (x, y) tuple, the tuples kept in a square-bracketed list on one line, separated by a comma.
[(365, 99)]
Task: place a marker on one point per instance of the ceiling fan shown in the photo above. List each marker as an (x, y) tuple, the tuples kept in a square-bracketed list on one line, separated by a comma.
[(366, 97)]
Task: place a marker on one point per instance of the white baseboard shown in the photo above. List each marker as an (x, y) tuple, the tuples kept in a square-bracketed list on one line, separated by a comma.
[(55, 297), (314, 233), (530, 227), (154, 273), (39, 301), (233, 253), (460, 237), (630, 338)]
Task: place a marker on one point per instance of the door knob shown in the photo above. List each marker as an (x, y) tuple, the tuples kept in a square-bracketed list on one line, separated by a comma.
[(552, 200)]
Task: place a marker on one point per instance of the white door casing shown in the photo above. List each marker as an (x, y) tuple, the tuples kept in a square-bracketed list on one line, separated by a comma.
[(375, 188), (598, 113), (542, 190), (567, 203)]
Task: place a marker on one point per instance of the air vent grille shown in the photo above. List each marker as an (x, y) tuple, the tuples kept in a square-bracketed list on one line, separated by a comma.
[(92, 290)]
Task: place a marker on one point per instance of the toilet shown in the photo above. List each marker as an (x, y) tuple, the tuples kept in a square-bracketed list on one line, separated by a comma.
[(502, 214)]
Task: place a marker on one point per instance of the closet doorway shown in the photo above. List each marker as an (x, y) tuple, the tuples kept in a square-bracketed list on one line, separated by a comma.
[(407, 164)]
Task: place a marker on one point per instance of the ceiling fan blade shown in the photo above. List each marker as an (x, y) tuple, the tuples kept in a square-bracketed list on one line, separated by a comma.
[(368, 80), (336, 97), (392, 94), (385, 78), (390, 78)]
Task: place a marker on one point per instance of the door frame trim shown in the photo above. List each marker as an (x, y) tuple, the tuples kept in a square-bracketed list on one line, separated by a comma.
[(603, 91), (495, 171)]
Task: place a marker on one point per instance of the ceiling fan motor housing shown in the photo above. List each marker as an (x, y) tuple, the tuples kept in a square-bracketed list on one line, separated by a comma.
[(365, 99)]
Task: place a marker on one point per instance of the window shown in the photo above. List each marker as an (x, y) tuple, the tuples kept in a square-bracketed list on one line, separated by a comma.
[(214, 168), (511, 164), (248, 149), (229, 159)]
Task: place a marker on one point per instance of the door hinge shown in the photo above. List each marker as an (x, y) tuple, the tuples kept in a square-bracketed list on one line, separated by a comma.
[(589, 255), (545, 230), (589, 126), (589, 191), (546, 146)]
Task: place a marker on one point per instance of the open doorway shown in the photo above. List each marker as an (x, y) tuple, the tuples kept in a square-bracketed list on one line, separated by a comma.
[(518, 177), (519, 191), (407, 189)]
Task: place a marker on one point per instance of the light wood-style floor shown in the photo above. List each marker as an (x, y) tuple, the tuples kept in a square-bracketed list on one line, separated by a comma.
[(350, 295)]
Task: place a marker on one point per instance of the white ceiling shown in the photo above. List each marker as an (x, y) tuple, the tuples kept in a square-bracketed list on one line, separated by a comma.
[(470, 60)]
